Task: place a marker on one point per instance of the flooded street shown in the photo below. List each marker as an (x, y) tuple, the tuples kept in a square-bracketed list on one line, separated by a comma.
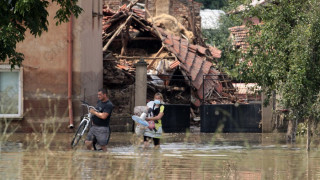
[(182, 156)]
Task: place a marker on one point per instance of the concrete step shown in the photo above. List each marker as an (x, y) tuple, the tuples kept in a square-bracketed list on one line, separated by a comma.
[(121, 124)]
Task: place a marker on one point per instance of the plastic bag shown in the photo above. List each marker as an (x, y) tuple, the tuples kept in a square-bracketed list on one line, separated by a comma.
[(140, 129), (138, 111), (151, 125)]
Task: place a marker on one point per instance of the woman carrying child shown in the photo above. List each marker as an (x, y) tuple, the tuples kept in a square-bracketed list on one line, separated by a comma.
[(156, 112)]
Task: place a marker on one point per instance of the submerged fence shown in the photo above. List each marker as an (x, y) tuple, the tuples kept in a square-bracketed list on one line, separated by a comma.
[(230, 118)]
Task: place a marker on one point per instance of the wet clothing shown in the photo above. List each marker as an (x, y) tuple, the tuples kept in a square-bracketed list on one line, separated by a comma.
[(155, 112), (103, 107), (156, 141), (99, 133), (157, 131), (100, 130)]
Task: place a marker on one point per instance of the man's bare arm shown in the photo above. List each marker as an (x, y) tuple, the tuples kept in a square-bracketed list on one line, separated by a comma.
[(102, 115)]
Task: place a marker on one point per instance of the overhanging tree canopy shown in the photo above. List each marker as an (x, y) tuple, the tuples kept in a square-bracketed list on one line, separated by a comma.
[(283, 53)]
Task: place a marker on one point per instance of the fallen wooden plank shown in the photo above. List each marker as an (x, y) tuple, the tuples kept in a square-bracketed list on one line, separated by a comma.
[(138, 57), (151, 64), (116, 33)]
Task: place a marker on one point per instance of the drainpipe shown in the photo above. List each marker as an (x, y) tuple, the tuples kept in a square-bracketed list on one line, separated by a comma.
[(70, 56)]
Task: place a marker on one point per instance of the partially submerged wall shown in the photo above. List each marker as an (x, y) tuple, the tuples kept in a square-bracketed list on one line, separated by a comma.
[(45, 76), (45, 70)]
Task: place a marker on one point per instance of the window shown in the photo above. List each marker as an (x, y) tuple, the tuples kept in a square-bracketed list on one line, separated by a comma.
[(10, 92)]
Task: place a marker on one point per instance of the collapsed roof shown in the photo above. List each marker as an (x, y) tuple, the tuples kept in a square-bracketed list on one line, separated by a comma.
[(196, 62)]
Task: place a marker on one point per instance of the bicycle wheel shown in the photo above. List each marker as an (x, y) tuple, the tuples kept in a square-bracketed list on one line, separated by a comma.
[(78, 135)]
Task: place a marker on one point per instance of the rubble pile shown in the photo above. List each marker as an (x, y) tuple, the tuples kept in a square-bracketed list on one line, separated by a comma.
[(182, 71), (171, 24)]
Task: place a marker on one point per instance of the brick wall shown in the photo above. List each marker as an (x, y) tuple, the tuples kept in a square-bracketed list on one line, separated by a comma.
[(152, 7), (181, 9), (113, 4), (178, 8)]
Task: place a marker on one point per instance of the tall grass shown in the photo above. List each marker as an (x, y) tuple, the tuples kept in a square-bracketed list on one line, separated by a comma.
[(46, 154)]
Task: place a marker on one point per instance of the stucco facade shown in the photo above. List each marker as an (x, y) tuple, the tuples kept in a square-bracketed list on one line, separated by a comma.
[(45, 69)]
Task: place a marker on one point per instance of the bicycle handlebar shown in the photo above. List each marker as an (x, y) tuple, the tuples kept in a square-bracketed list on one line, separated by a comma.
[(88, 106)]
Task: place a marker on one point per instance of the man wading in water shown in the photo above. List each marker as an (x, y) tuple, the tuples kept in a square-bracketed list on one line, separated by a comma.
[(100, 130)]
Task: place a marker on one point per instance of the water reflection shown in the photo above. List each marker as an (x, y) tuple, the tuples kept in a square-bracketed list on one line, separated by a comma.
[(182, 156)]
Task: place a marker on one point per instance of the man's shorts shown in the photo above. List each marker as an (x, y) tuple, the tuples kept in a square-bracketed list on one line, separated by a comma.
[(100, 133)]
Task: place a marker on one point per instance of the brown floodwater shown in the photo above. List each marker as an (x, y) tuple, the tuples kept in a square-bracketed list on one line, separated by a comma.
[(181, 156)]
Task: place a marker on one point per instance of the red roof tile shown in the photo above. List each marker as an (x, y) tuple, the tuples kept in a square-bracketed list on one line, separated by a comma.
[(139, 12), (197, 85), (204, 70), (177, 38), (170, 38), (174, 64), (123, 67), (206, 67), (168, 42), (197, 65), (209, 83), (192, 59), (215, 52), (238, 28), (183, 54), (123, 7), (183, 66), (184, 42), (176, 46), (200, 92), (189, 60), (192, 48), (201, 50), (214, 72)]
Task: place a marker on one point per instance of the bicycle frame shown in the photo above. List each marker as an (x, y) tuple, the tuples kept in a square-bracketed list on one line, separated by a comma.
[(86, 119)]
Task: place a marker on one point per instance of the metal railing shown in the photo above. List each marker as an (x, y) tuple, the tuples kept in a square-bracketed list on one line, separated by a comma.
[(179, 80)]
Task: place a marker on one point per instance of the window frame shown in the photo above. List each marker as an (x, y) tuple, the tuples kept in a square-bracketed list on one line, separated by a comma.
[(7, 68)]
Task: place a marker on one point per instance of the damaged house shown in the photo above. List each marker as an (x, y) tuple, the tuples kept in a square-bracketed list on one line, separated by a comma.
[(183, 71), (186, 12)]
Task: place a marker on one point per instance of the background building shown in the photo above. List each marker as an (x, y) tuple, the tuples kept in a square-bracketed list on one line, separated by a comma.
[(63, 64)]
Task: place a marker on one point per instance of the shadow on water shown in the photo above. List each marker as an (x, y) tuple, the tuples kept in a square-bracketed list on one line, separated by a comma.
[(181, 156)]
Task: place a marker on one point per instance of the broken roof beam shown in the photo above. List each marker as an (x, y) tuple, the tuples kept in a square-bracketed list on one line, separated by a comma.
[(131, 4), (138, 57), (139, 39), (116, 33), (151, 64), (144, 25), (115, 18)]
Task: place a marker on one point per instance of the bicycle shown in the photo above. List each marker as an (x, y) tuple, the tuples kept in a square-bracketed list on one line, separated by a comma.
[(84, 124)]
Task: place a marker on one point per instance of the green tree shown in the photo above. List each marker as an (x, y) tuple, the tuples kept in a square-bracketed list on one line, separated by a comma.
[(283, 54), (220, 37), (213, 4), (18, 16)]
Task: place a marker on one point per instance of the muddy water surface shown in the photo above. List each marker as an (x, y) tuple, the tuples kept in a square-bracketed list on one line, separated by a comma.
[(182, 156)]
